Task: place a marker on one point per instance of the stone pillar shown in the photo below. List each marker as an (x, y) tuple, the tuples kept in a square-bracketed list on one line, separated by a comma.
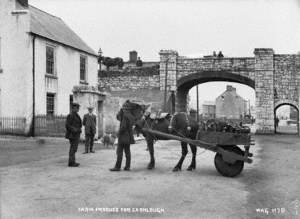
[(264, 90), (181, 100), (299, 110), (90, 96), (168, 64)]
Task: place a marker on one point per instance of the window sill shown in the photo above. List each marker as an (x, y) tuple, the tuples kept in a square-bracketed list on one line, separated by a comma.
[(50, 76), (84, 82)]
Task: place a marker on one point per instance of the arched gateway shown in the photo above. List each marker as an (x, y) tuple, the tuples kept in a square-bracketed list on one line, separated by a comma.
[(275, 78)]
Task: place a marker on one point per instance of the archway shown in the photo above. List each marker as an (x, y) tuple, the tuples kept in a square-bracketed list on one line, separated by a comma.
[(286, 116), (184, 84)]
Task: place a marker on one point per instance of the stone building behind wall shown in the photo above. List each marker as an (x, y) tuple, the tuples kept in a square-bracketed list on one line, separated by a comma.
[(209, 110), (230, 105)]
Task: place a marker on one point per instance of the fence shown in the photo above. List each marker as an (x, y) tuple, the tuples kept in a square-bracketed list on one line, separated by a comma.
[(53, 126), (12, 125)]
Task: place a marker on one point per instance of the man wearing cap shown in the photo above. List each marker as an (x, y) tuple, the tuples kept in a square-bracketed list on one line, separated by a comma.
[(73, 130), (125, 136), (89, 122)]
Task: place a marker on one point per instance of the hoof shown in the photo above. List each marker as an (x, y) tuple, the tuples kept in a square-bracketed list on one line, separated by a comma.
[(151, 166), (175, 169), (190, 168)]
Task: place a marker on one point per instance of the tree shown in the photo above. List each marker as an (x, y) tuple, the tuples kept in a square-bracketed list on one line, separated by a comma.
[(119, 62), (109, 62)]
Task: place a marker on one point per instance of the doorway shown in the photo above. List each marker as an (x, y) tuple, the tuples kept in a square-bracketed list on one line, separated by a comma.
[(286, 119)]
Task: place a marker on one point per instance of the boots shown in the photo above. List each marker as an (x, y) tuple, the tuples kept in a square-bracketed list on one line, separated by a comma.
[(74, 164), (118, 164), (91, 150), (127, 165)]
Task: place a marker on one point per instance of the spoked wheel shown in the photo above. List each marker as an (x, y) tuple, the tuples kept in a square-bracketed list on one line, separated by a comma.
[(229, 169)]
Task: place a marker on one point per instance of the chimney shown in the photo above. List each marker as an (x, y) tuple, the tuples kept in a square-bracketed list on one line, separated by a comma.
[(24, 3), (230, 88), (133, 56)]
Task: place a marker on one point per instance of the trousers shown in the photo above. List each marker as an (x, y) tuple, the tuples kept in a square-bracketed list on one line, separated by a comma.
[(89, 142), (126, 149), (73, 149)]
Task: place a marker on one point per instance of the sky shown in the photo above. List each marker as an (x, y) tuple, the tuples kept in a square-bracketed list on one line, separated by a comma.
[(192, 27)]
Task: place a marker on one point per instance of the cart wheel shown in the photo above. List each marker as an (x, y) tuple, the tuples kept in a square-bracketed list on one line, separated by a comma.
[(228, 169)]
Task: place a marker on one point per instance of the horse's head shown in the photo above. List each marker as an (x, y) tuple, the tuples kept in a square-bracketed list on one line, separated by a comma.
[(134, 110), (141, 123)]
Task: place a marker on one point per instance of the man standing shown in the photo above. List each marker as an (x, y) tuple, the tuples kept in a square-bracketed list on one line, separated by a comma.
[(125, 137), (73, 130), (276, 121), (89, 122)]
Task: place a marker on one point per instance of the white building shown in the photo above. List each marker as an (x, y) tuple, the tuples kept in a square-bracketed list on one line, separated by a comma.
[(230, 105), (41, 59)]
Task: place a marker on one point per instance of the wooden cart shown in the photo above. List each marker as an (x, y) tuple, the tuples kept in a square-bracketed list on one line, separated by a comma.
[(230, 158)]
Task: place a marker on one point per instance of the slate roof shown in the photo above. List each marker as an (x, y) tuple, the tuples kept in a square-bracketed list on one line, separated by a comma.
[(54, 28)]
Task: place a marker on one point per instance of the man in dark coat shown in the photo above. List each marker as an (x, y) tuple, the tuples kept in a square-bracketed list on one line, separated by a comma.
[(73, 130), (125, 138), (89, 122)]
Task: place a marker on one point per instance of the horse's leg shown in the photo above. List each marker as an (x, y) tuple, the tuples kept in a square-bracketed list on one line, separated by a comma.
[(150, 147), (184, 152), (193, 163)]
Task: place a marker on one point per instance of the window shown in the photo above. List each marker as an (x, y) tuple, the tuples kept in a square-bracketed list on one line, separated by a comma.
[(50, 60), (83, 68), (50, 101)]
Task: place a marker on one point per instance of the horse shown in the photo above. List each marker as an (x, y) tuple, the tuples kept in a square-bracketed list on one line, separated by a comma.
[(179, 124)]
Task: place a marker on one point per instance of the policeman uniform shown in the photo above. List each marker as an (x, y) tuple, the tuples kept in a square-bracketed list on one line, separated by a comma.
[(73, 130)]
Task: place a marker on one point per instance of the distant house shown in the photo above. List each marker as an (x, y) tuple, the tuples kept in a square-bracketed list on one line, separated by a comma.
[(209, 110), (230, 105), (133, 58), (293, 113), (41, 60)]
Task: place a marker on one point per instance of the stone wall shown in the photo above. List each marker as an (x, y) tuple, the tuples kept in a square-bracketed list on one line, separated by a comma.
[(139, 84), (115, 99), (168, 69), (241, 66), (264, 89), (286, 79), (132, 79), (129, 82)]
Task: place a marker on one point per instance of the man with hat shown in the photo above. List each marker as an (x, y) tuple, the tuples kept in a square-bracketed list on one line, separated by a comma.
[(89, 122), (125, 135), (73, 130)]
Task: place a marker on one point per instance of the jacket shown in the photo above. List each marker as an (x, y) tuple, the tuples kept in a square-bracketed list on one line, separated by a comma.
[(89, 122), (125, 135), (73, 126)]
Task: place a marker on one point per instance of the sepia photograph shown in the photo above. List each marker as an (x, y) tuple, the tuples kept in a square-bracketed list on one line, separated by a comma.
[(183, 109)]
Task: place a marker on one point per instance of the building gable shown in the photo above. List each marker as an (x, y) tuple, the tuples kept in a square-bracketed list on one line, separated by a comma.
[(54, 28)]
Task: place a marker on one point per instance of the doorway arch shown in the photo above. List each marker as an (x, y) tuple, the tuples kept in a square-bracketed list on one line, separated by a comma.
[(290, 122)]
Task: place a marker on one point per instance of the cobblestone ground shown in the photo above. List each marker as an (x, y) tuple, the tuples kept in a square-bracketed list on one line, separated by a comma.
[(36, 183)]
